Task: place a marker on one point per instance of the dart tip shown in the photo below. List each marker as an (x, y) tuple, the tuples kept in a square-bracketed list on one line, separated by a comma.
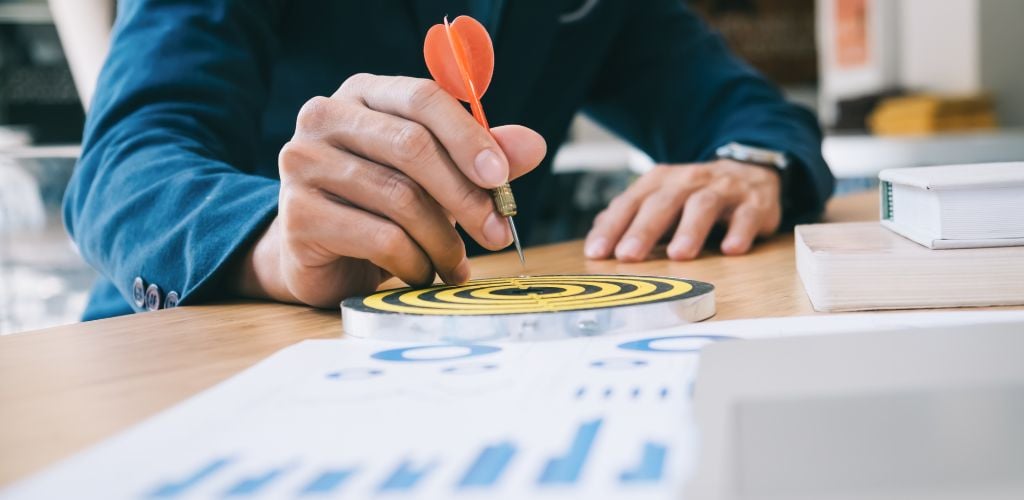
[(515, 239)]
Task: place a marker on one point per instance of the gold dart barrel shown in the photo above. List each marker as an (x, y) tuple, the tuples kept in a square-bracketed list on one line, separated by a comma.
[(504, 201), (506, 205)]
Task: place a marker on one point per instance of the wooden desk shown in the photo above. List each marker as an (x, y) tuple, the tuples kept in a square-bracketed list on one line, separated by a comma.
[(65, 388)]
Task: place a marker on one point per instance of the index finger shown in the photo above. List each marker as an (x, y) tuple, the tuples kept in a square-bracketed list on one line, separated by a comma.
[(474, 151)]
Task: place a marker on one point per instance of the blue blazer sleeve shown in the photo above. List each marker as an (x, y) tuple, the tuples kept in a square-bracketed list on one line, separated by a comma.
[(165, 189), (672, 88)]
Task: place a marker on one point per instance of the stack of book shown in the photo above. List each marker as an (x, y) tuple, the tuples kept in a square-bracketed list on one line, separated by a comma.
[(950, 236)]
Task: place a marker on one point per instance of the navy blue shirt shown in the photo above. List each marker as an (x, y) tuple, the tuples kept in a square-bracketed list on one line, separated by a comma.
[(178, 173)]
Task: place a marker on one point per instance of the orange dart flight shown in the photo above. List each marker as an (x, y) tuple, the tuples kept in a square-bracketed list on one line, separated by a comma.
[(460, 57)]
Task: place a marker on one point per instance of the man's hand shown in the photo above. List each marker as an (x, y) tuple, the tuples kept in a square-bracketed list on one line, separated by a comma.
[(372, 184), (687, 200)]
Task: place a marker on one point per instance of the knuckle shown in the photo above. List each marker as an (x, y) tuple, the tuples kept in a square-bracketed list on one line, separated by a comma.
[(728, 183), (763, 204), (292, 158), (749, 210), (389, 239), (695, 174), (642, 232), (423, 93), (404, 195), (621, 203), (450, 255), (705, 199), (353, 82), (314, 114), (659, 172), (473, 204), (411, 143), (349, 173), (661, 200)]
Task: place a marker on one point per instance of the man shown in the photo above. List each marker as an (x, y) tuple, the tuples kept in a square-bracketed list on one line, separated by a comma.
[(211, 168)]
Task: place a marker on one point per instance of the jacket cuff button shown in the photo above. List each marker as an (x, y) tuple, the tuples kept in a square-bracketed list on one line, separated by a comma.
[(171, 300), (153, 297), (139, 292)]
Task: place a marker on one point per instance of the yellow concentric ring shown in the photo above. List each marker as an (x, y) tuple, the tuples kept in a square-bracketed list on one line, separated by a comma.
[(551, 293)]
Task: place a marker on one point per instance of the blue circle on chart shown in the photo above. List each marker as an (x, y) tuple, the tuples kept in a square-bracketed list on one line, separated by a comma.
[(354, 374), (435, 352), (618, 363), (469, 369), (673, 343)]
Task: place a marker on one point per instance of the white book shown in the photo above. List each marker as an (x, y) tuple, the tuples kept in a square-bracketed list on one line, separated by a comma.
[(855, 266), (956, 206)]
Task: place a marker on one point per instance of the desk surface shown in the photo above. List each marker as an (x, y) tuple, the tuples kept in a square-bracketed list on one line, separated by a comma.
[(65, 388)]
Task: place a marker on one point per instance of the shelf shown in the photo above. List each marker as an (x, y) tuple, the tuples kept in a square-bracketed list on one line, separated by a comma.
[(864, 156)]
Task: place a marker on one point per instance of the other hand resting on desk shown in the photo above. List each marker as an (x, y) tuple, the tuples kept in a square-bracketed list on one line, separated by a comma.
[(687, 200)]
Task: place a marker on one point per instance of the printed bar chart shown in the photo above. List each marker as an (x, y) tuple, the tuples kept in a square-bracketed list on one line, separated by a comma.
[(482, 473), (488, 466), (650, 467), (405, 477), (171, 490), (566, 469), (254, 484), (327, 482)]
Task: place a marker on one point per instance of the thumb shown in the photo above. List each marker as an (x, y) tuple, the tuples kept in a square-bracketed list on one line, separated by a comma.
[(524, 148)]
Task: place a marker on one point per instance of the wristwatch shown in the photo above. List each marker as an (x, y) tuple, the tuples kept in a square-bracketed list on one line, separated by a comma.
[(750, 154), (766, 158)]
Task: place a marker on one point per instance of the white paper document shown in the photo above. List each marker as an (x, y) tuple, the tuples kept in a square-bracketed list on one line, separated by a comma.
[(594, 418)]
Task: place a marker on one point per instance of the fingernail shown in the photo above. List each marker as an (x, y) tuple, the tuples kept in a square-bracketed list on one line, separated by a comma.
[(496, 231), (630, 248), (680, 248), (596, 248), (461, 272), (491, 169), (732, 245)]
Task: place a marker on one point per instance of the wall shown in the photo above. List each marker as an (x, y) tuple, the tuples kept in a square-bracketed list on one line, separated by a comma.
[(1002, 53), (940, 45)]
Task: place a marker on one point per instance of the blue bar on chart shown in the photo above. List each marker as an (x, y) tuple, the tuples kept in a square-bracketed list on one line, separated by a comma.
[(254, 484), (405, 477), (488, 466), (566, 469), (326, 482), (650, 467), (173, 489)]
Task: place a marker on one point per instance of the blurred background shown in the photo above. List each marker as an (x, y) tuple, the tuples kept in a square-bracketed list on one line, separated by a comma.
[(895, 83)]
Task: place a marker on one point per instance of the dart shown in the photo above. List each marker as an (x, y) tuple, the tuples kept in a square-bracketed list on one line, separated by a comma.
[(460, 58)]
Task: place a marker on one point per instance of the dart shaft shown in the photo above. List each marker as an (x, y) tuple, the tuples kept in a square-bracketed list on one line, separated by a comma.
[(515, 239)]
